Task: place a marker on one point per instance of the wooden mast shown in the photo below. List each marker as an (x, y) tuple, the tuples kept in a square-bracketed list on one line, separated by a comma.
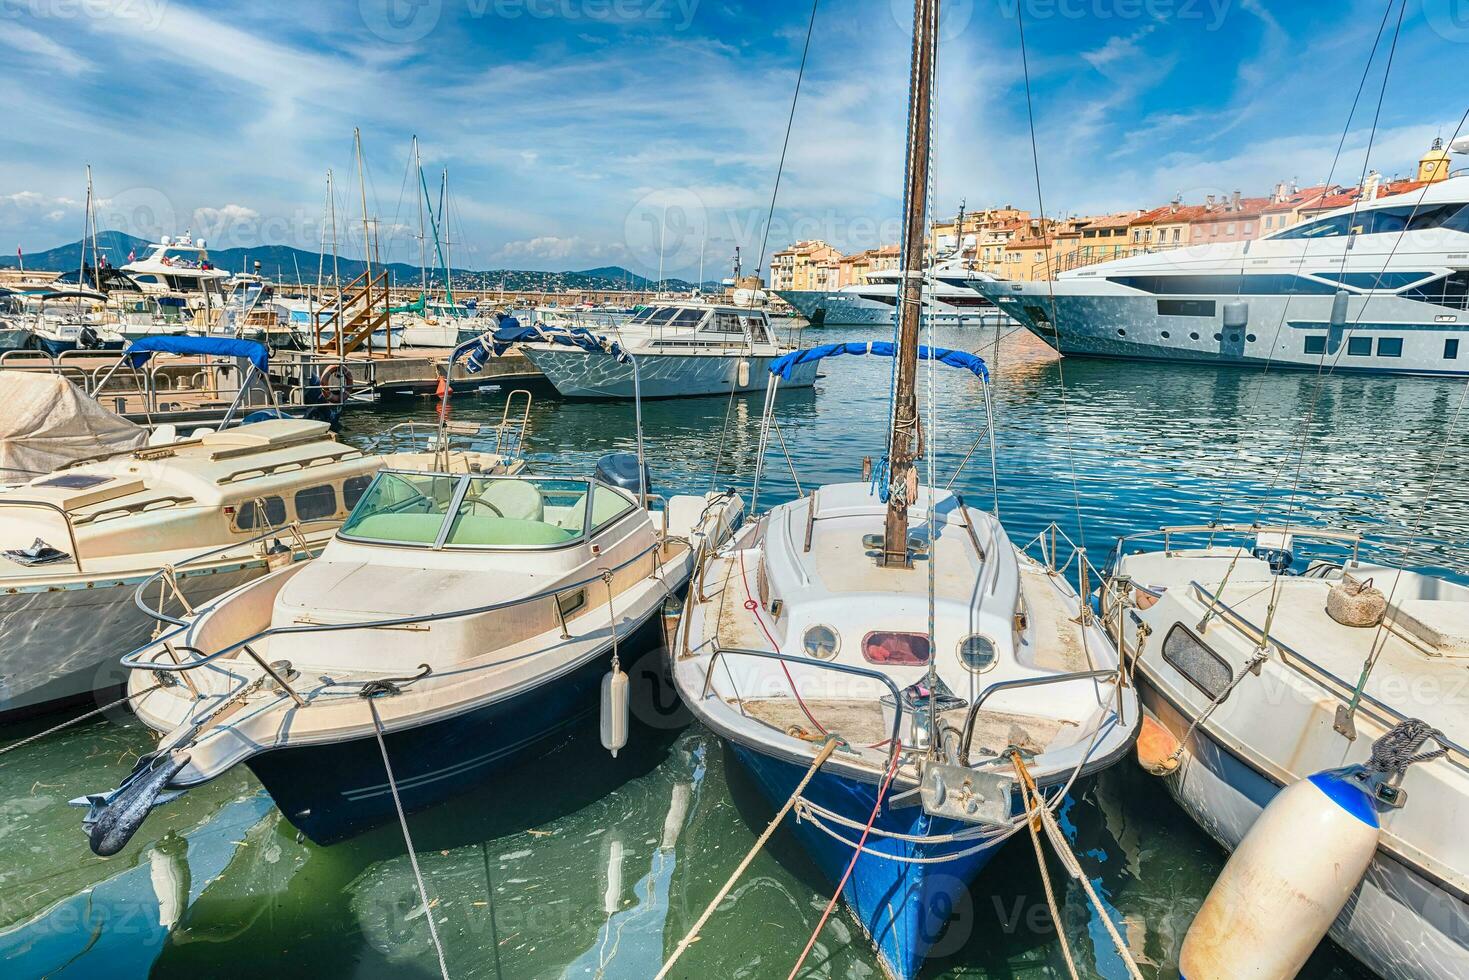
[(902, 442)]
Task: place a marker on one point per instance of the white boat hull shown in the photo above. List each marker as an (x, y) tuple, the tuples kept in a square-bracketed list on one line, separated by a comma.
[(584, 374)]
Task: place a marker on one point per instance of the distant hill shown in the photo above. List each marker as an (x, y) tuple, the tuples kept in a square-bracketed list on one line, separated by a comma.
[(285, 264)]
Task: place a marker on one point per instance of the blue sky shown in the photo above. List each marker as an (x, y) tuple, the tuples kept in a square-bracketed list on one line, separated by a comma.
[(577, 133)]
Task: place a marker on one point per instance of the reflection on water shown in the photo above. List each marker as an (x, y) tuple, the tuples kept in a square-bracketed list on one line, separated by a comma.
[(578, 865)]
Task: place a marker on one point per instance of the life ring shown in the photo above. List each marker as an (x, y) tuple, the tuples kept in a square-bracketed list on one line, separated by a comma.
[(336, 383)]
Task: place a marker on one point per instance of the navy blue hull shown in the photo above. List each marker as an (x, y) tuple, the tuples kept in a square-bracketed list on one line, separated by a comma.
[(903, 907), (335, 791)]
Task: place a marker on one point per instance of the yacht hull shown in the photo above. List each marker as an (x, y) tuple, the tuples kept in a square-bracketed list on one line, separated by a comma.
[(339, 789), (1131, 328), (585, 374), (903, 908), (59, 645), (1400, 923), (824, 309)]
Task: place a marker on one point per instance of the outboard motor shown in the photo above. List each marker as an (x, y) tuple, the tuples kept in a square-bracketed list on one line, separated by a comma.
[(621, 470)]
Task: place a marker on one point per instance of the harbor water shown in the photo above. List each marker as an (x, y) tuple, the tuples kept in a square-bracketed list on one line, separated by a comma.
[(574, 865)]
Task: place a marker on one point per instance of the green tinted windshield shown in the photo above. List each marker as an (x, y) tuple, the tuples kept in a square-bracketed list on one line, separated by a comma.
[(413, 509)]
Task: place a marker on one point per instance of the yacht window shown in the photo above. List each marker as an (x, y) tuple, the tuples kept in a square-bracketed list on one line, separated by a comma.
[(1200, 666), (896, 649), (316, 503), (1334, 227), (1316, 344), (726, 323), (661, 315), (1389, 346), (1375, 280), (1451, 349), (687, 318), (249, 516), (352, 490), (1185, 307), (1451, 291), (570, 602), (757, 329), (1359, 346)]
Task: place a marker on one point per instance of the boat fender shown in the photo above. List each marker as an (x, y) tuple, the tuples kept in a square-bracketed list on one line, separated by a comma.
[(1157, 749), (743, 374), (113, 819), (614, 710), (1287, 881)]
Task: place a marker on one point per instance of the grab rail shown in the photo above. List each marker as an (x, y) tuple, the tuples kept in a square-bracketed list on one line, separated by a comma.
[(132, 662), (809, 662), (8, 501), (1353, 538), (997, 686)]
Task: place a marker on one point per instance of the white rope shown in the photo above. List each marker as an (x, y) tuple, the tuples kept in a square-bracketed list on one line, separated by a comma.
[(428, 912), (66, 724)]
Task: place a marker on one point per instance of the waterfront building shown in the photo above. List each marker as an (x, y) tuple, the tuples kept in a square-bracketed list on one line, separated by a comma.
[(805, 265)]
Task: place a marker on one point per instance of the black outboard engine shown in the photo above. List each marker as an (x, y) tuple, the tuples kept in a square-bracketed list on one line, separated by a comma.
[(621, 470)]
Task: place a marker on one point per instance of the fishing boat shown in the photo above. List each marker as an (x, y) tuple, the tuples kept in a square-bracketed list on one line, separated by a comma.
[(214, 511), (887, 663), (667, 350), (1276, 668), (454, 622)]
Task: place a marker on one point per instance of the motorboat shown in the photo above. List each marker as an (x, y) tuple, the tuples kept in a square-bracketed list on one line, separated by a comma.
[(71, 319), (1379, 286), (949, 299), (180, 266), (213, 511), (15, 330), (1258, 674), (454, 622), (667, 350)]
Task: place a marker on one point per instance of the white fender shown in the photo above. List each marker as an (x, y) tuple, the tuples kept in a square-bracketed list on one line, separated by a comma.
[(1285, 883), (744, 374), (614, 711)]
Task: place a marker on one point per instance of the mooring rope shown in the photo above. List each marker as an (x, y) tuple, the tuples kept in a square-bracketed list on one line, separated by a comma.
[(1033, 819), (827, 748), (67, 724), (428, 912), (1395, 751)]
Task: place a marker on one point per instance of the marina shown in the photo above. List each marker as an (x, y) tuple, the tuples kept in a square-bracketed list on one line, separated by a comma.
[(1054, 592)]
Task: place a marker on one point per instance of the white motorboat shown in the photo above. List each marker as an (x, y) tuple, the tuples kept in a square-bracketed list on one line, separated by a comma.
[(15, 330), (1252, 684), (180, 266), (216, 511), (1378, 287), (668, 350), (949, 299), (461, 619)]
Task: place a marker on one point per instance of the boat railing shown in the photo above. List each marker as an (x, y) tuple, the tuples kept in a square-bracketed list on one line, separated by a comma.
[(1167, 534), (134, 661), (848, 669), (1112, 675), (1338, 688), (8, 500), (1049, 543)]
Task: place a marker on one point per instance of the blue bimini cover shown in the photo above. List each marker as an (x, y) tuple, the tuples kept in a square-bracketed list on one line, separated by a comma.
[(140, 350), (782, 366)]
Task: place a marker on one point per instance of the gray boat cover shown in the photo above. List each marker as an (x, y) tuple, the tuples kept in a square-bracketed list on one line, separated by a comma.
[(46, 422)]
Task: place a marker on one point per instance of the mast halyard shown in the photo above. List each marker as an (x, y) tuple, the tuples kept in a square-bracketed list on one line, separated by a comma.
[(902, 441)]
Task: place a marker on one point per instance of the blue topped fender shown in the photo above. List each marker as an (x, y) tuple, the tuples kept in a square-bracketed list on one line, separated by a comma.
[(782, 366), (140, 350)]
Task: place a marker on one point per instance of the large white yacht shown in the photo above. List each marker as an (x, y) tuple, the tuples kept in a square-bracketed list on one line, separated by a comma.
[(180, 266), (1382, 286), (950, 299)]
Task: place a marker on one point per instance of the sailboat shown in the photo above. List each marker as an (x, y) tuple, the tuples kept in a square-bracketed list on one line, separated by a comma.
[(885, 662), (436, 322)]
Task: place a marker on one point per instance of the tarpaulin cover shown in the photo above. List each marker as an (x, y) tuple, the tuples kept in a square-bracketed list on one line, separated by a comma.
[(47, 422), (782, 366), (140, 350)]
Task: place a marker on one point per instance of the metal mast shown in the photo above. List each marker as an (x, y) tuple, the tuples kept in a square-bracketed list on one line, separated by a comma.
[(902, 441)]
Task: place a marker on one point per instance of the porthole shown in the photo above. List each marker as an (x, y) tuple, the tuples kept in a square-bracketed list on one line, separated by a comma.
[(1218, 336), (1250, 337), (977, 653), (821, 643), (1121, 332), (1164, 335), (1193, 336)]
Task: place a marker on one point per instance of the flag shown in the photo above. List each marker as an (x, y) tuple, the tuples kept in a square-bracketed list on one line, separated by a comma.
[(132, 255)]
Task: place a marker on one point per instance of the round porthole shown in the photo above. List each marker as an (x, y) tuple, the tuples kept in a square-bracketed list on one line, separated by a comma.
[(1250, 337), (1165, 335), (1121, 332), (821, 643), (1218, 336), (977, 653), (1193, 336)]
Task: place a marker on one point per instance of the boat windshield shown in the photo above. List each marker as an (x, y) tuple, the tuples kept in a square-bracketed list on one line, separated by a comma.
[(438, 510)]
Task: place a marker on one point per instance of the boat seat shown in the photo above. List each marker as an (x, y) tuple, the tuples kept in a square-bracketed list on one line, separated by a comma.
[(514, 499)]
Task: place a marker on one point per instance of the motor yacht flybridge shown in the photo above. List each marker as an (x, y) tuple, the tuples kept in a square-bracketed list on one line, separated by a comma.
[(180, 266), (667, 350), (886, 661), (1380, 286)]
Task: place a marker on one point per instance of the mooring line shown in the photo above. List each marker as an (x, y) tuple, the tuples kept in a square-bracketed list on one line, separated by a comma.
[(428, 912), (90, 714)]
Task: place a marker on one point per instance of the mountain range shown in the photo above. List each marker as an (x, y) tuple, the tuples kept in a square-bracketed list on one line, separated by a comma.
[(289, 265)]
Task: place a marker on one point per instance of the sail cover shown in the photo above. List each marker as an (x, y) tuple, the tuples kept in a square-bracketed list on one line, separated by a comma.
[(143, 348), (782, 366), (46, 422)]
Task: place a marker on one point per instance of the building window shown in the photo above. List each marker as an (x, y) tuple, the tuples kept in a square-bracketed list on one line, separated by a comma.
[(1451, 349), (1359, 346), (1389, 346), (1316, 344)]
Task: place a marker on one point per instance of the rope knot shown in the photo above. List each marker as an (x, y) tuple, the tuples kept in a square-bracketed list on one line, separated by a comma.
[(1395, 751)]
